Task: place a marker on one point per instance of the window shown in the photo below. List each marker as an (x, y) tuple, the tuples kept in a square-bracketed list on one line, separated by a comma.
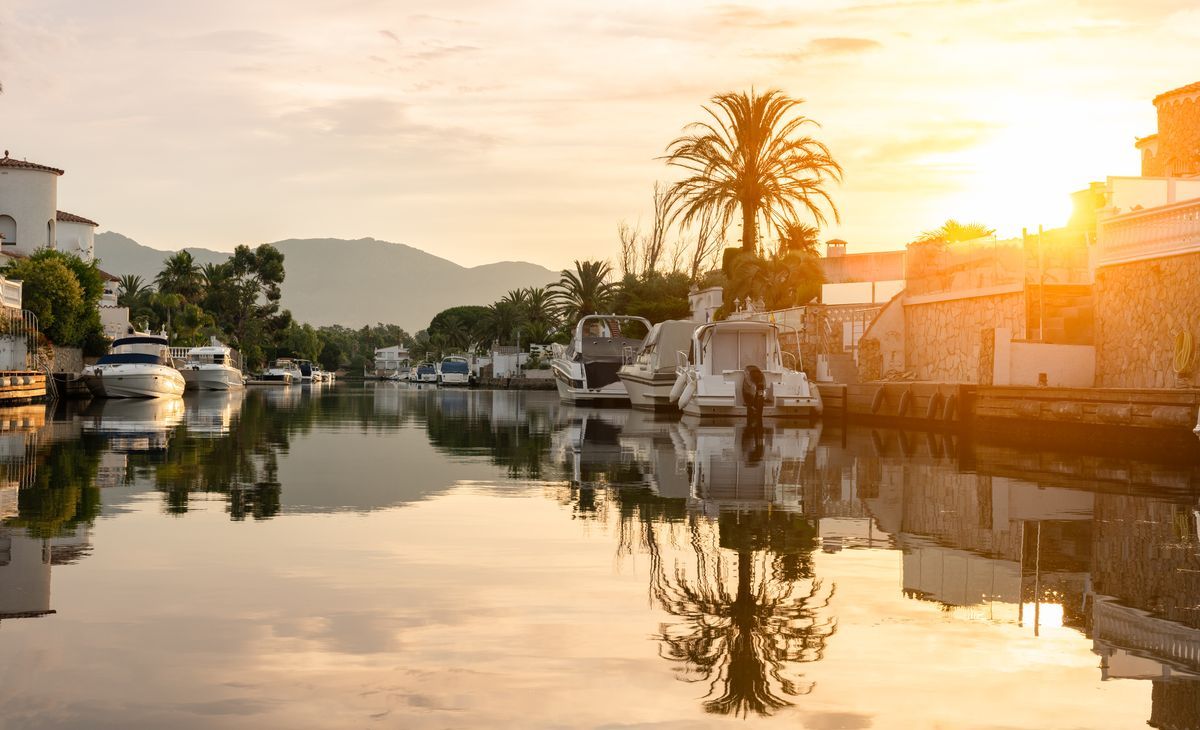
[(8, 229), (50, 234)]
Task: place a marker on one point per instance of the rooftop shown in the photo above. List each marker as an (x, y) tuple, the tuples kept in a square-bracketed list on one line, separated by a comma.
[(1190, 88), (66, 217), (15, 164)]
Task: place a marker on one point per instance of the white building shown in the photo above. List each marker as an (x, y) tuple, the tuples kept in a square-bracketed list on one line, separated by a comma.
[(389, 360)]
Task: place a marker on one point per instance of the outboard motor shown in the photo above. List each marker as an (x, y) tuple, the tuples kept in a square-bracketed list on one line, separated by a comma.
[(754, 395)]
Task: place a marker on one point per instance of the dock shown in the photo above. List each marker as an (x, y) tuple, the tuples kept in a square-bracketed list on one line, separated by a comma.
[(21, 386)]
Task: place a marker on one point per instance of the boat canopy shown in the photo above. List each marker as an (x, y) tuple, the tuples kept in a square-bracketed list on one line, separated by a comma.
[(425, 368), (666, 339), (455, 365), (140, 340), (734, 345)]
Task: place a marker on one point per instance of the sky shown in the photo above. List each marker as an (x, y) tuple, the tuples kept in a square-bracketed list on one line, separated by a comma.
[(485, 131)]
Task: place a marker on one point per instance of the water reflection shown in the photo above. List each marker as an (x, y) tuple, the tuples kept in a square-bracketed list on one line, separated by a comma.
[(738, 535)]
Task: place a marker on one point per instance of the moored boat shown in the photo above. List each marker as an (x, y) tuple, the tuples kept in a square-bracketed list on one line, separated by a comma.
[(137, 366), (282, 372), (454, 370), (585, 371), (649, 372), (426, 372), (737, 369), (212, 367)]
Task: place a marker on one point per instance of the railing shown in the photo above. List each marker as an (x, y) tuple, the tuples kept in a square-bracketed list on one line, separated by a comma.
[(1138, 631), (1147, 234)]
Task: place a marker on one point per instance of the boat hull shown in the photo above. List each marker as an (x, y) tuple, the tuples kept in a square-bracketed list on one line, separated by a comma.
[(453, 379), (725, 407), (134, 381), (217, 378), (611, 394), (649, 393)]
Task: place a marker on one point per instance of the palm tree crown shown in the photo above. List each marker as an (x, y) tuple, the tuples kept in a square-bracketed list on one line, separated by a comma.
[(584, 291), (749, 155)]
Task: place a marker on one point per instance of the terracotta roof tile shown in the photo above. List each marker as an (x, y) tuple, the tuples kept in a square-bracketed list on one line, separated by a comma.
[(66, 217), (16, 164)]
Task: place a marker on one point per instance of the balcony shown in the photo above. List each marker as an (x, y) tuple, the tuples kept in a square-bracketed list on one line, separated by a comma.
[(1167, 230), (10, 293)]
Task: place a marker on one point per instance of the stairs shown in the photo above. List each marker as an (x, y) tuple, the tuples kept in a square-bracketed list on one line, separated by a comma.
[(842, 368)]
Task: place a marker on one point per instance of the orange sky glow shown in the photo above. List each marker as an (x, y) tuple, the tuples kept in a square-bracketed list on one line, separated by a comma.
[(484, 131)]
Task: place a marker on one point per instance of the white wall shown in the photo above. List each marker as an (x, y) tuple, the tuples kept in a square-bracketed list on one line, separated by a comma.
[(115, 321), (1020, 363), (704, 302), (12, 353), (76, 238), (1127, 193), (859, 292), (31, 198)]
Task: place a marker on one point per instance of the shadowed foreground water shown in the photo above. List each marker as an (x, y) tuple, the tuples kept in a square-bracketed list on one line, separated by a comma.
[(389, 556)]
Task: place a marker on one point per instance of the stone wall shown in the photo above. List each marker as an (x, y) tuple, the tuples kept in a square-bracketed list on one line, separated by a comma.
[(942, 338), (1140, 307)]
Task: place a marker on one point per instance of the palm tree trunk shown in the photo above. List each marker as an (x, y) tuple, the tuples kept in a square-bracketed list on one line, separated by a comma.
[(749, 227)]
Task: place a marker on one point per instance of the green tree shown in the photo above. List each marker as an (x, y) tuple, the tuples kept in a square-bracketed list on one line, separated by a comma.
[(655, 295), (245, 299), (63, 292), (749, 155), (301, 340), (584, 291)]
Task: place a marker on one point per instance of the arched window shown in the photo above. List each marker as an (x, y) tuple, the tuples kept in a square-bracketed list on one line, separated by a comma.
[(8, 229), (50, 233)]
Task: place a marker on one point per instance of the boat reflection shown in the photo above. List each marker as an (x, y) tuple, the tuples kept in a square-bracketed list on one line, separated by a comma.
[(133, 425), (211, 413)]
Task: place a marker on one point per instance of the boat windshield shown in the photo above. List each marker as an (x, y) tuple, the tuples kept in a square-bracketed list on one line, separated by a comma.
[(425, 370), (458, 367), (130, 358)]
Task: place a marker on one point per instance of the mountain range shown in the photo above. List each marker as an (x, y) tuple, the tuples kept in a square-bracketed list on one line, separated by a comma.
[(352, 282)]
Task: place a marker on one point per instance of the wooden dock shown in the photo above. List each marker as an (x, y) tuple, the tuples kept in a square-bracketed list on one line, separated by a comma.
[(21, 386)]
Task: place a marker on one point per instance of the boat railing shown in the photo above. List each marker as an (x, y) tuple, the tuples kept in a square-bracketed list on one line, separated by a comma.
[(627, 355), (795, 360), (681, 360)]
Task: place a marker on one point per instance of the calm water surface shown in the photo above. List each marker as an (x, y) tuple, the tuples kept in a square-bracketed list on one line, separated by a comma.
[(388, 556)]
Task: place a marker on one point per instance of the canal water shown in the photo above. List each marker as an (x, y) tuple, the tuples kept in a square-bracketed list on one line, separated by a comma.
[(385, 555)]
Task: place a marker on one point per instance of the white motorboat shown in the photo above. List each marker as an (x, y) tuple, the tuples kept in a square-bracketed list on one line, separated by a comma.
[(454, 370), (736, 368), (212, 367), (283, 371), (425, 373), (308, 371), (585, 371), (649, 373), (137, 366)]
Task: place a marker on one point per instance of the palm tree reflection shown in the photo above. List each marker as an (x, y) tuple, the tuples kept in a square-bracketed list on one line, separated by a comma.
[(750, 610)]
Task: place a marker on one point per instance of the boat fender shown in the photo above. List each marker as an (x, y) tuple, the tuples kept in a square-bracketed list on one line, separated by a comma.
[(677, 388), (950, 410), (685, 397), (877, 401), (905, 398), (934, 410)]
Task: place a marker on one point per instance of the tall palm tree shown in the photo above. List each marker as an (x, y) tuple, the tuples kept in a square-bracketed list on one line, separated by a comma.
[(750, 155), (584, 291), (540, 317), (181, 275)]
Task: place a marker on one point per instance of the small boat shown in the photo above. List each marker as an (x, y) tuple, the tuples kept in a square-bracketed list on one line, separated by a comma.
[(307, 370), (212, 367), (454, 370), (649, 373), (283, 371), (425, 373), (137, 366), (736, 369), (585, 371)]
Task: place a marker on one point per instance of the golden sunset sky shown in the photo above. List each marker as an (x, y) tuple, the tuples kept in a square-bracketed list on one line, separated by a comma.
[(484, 131)]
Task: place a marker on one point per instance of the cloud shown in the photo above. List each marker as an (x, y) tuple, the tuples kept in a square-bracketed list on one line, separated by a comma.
[(390, 34), (825, 48), (746, 16)]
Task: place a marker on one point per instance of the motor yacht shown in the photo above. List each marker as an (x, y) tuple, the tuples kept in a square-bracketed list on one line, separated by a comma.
[(454, 370), (130, 426), (213, 366), (649, 372), (426, 373), (737, 369), (284, 371), (585, 371), (137, 366)]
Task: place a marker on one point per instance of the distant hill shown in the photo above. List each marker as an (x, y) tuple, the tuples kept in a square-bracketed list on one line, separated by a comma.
[(353, 282)]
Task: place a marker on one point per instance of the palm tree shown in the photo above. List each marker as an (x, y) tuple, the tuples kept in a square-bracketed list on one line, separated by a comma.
[(540, 317), (180, 275), (502, 320), (129, 289), (748, 155), (952, 231), (584, 291)]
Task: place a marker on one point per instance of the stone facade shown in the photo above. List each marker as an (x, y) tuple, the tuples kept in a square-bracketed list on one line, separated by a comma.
[(943, 338), (1140, 308), (1175, 150)]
